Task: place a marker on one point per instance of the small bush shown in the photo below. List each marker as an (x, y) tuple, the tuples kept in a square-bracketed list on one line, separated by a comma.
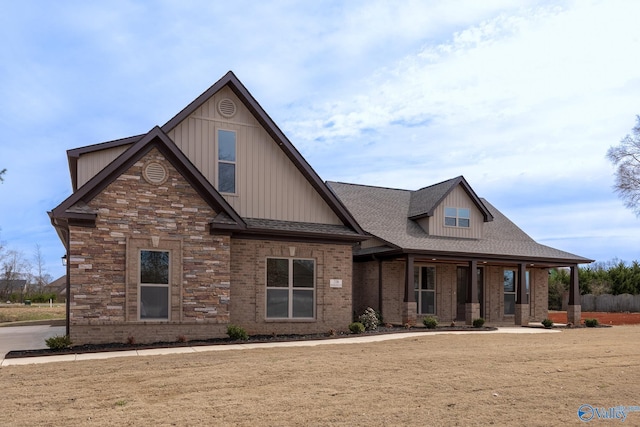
[(547, 323), (58, 342), (430, 322), (131, 340), (369, 319), (237, 333), (591, 323), (478, 323), (356, 328), (181, 338)]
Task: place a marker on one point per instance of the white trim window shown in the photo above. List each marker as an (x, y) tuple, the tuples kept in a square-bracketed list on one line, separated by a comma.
[(291, 288), (154, 284), (226, 158), (424, 285), (509, 291), (457, 217)]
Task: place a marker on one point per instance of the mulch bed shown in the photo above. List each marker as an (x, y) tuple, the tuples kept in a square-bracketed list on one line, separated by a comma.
[(100, 348), (604, 318)]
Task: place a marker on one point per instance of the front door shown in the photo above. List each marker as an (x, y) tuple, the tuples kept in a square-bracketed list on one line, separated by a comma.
[(463, 283)]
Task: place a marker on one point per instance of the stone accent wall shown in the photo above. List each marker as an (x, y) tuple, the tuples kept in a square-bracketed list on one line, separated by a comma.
[(248, 286), (104, 261), (539, 282)]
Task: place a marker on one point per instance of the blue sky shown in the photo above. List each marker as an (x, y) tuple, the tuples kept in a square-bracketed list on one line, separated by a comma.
[(522, 98)]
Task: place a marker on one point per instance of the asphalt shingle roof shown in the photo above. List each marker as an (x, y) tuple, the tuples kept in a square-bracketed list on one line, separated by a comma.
[(385, 212)]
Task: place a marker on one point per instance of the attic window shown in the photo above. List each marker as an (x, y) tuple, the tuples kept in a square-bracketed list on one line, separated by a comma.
[(155, 173), (457, 217), (227, 108)]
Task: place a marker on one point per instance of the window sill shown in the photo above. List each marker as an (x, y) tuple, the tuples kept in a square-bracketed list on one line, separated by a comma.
[(306, 320)]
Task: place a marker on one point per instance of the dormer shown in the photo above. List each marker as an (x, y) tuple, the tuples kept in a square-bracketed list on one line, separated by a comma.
[(449, 209)]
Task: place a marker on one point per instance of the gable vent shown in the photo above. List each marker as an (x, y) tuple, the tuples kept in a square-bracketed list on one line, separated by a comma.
[(227, 107), (155, 173)]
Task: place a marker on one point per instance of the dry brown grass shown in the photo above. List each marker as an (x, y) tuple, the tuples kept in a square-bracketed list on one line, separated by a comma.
[(19, 312), (478, 379)]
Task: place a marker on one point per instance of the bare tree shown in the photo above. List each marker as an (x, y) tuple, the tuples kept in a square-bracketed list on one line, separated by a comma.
[(40, 276), (2, 172), (626, 158), (14, 267)]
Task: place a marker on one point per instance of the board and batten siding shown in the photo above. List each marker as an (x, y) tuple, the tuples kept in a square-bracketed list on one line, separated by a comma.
[(457, 198), (90, 164), (268, 184)]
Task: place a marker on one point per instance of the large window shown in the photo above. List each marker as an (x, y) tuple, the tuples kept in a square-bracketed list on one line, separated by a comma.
[(424, 284), (226, 161), (154, 285), (457, 217), (290, 288)]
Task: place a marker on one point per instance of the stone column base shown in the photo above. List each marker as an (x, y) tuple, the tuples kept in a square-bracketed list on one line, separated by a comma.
[(522, 314), (472, 312), (574, 314), (409, 315)]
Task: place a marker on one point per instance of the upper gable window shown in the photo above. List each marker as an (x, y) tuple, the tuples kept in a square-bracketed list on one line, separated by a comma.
[(226, 161), (457, 217)]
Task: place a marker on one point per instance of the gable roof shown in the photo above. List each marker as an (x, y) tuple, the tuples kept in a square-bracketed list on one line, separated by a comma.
[(230, 80), (384, 213), (424, 201), (75, 206)]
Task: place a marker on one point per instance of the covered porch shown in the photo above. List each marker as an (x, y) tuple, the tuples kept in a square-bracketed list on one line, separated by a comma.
[(406, 287)]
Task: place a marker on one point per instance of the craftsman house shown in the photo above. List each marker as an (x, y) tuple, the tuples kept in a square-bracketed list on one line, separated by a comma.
[(215, 218)]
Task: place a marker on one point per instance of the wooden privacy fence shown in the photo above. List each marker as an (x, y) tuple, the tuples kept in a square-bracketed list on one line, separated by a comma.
[(608, 302)]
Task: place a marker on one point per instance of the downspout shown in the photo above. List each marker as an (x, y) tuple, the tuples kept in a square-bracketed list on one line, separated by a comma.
[(68, 299)]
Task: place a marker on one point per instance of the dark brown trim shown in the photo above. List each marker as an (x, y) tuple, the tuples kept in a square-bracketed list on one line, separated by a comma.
[(74, 154), (409, 294), (463, 257), (154, 139), (521, 294), (574, 286), (278, 136), (472, 286), (467, 188), (294, 237)]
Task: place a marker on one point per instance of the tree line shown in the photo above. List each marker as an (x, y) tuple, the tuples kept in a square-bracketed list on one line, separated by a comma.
[(609, 277)]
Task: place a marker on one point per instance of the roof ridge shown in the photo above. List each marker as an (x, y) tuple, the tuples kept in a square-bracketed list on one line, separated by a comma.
[(368, 186)]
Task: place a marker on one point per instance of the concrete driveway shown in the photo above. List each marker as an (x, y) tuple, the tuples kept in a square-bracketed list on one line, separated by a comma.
[(26, 337)]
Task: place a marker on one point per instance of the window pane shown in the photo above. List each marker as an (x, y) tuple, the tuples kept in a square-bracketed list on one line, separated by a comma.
[(303, 273), (154, 302), (277, 273), (428, 303), (509, 303), (226, 177), (450, 212), (431, 278), (277, 303), (226, 145), (303, 303), (509, 281), (154, 267), (424, 278), (450, 221), (462, 222), (463, 213)]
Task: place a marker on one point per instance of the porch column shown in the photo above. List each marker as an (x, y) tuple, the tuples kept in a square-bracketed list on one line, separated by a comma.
[(472, 306), (574, 308), (409, 309), (522, 305)]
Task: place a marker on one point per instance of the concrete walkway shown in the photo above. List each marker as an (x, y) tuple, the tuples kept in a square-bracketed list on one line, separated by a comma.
[(249, 346)]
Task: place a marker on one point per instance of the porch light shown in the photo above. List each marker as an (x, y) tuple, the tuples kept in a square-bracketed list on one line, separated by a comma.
[(64, 260)]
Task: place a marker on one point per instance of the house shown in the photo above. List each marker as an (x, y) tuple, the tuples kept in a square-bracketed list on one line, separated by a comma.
[(214, 218), (12, 288), (58, 288)]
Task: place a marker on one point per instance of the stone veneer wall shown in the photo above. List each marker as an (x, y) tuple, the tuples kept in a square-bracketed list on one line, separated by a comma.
[(104, 261), (248, 286)]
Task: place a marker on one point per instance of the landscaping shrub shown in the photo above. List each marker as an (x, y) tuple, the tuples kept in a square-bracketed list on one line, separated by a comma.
[(591, 323), (478, 323), (430, 322), (369, 319), (58, 342), (547, 323), (356, 328), (237, 333)]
